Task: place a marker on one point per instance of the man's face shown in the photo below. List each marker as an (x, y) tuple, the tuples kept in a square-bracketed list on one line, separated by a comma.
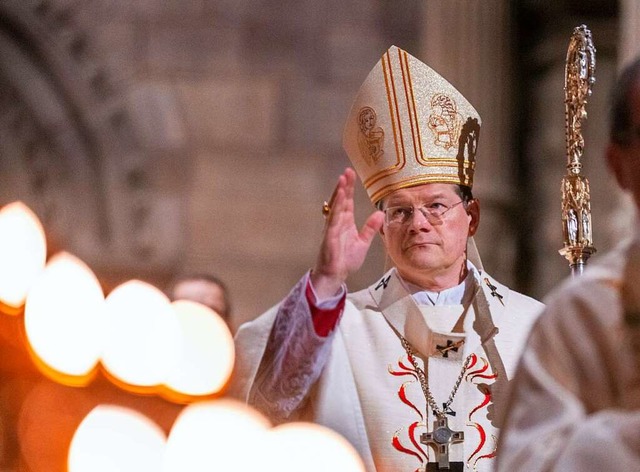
[(624, 159), (421, 248)]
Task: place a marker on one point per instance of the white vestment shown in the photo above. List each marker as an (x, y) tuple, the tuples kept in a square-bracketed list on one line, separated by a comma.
[(576, 395), (360, 382)]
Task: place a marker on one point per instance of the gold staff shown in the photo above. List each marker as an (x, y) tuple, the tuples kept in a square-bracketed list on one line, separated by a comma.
[(576, 201)]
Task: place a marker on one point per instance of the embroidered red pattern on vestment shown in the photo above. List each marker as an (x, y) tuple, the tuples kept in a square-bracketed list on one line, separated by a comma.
[(473, 377), (411, 434), (406, 439)]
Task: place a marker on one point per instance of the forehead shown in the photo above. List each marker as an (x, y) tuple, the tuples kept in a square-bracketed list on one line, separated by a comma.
[(423, 192)]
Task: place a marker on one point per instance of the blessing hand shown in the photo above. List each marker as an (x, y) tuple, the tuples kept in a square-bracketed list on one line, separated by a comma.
[(343, 247)]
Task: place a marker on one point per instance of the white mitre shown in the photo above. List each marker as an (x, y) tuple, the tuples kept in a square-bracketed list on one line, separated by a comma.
[(408, 126)]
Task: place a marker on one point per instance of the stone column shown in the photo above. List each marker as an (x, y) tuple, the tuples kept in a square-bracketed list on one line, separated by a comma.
[(469, 44)]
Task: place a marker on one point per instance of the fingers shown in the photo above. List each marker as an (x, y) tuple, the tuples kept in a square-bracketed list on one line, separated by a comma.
[(347, 182), (336, 205), (331, 201), (350, 185), (350, 181), (342, 197)]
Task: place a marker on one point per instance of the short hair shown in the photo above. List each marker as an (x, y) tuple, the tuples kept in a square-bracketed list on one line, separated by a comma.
[(206, 277), (620, 125), (464, 192)]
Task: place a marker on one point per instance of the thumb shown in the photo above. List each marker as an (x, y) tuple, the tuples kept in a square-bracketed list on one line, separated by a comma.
[(371, 226)]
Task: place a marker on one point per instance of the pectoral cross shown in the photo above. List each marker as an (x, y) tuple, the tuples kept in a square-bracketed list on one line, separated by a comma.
[(440, 439)]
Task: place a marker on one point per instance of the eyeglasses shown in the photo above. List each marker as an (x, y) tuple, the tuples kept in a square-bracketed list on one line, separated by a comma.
[(401, 215)]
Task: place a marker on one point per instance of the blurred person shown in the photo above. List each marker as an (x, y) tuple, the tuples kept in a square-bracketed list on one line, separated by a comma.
[(205, 289), (575, 403), (411, 370)]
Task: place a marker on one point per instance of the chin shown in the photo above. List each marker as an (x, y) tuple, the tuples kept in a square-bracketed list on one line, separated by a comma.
[(422, 263)]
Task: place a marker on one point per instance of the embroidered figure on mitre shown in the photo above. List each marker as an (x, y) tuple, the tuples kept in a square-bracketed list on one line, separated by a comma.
[(444, 121), (370, 137)]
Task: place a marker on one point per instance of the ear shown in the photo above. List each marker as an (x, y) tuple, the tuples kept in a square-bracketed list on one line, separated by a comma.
[(473, 210), (616, 162)]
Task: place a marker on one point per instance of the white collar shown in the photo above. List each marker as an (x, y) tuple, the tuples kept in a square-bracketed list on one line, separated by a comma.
[(457, 295)]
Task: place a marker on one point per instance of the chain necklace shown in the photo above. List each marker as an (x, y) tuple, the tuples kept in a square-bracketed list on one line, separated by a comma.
[(425, 385)]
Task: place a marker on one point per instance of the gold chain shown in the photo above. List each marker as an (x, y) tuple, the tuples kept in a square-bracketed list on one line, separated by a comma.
[(425, 385)]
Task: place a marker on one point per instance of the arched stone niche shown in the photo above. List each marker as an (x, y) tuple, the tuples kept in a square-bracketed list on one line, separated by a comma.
[(70, 147)]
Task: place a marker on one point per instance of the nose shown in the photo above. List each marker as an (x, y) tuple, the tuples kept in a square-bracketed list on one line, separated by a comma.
[(420, 220)]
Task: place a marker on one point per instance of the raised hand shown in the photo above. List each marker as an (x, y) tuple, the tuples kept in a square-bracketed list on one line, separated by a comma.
[(343, 247)]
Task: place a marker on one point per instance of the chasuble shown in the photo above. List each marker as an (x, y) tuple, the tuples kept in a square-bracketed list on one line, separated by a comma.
[(361, 382), (576, 395)]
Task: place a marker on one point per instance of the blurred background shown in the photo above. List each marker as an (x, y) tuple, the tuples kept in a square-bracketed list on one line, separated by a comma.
[(160, 137), (155, 137)]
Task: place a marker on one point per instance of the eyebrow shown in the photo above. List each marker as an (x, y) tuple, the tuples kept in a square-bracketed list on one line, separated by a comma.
[(400, 200)]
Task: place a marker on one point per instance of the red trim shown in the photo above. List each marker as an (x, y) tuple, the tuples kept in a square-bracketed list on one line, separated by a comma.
[(323, 320), (399, 447), (483, 439), (402, 393)]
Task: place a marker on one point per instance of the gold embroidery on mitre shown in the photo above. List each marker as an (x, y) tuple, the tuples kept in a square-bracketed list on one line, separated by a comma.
[(408, 126), (370, 137), (444, 121)]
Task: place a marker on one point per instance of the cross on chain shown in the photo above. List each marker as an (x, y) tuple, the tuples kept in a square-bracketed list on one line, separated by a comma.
[(446, 410), (440, 439)]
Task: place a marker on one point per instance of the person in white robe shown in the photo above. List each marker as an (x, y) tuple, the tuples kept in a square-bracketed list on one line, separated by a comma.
[(575, 403), (413, 370)]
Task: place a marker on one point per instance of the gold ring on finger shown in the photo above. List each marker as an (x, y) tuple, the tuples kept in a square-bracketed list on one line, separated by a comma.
[(325, 208)]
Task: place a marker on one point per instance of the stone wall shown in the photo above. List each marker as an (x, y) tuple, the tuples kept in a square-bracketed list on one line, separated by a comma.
[(213, 144), (156, 137)]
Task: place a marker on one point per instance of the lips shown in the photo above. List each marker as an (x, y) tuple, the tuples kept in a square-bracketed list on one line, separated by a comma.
[(414, 244)]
